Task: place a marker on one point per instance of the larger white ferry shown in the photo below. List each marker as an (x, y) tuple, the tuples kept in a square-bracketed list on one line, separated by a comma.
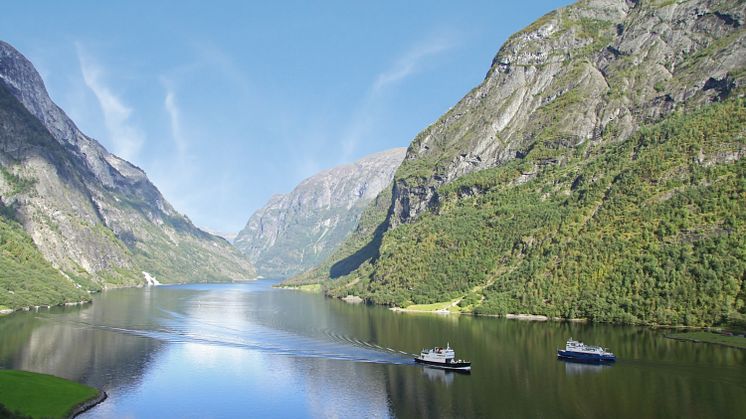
[(444, 358)]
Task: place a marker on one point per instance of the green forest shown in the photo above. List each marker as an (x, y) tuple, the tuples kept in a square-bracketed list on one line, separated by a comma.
[(42, 284), (649, 230)]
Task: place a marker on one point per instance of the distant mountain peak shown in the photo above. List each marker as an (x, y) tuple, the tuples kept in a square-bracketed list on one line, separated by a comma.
[(294, 231)]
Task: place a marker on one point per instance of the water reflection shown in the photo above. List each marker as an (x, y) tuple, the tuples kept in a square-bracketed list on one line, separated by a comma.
[(580, 368), (64, 342), (250, 350), (438, 375)]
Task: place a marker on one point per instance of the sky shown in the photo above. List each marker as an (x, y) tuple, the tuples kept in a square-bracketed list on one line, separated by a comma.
[(224, 104)]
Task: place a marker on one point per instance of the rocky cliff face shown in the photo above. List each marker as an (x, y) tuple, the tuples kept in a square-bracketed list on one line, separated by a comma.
[(295, 231), (90, 213), (593, 173), (590, 72)]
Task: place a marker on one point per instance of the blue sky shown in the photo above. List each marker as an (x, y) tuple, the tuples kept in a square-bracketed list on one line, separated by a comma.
[(224, 105)]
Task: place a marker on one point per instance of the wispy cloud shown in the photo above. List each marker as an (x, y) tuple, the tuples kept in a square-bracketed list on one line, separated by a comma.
[(406, 65), (174, 115), (409, 63), (125, 138)]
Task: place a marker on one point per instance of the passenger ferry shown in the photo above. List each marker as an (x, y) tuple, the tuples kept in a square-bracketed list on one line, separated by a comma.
[(444, 358), (578, 351)]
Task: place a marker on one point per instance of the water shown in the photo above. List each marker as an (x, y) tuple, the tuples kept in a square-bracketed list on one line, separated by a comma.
[(248, 350)]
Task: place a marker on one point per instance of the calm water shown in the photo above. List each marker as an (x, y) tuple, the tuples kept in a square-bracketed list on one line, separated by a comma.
[(251, 350)]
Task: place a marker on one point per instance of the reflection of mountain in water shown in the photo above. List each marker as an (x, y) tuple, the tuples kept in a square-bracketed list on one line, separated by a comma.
[(63, 341), (234, 347)]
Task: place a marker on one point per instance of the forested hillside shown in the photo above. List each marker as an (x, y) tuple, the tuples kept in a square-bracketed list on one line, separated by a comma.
[(650, 230), (596, 172)]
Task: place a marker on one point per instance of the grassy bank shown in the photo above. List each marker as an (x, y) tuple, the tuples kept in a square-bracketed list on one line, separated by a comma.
[(312, 288), (444, 306), (710, 337), (41, 395)]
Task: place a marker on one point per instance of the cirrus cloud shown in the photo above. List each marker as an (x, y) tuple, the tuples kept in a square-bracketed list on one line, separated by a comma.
[(125, 138)]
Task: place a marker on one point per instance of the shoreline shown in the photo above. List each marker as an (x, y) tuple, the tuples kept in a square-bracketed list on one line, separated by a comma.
[(509, 316), (354, 299), (89, 404), (8, 311), (307, 288), (26, 392), (413, 310), (544, 318), (712, 337), (536, 318)]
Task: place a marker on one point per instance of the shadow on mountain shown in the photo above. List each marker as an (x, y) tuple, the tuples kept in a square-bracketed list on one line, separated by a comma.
[(368, 252)]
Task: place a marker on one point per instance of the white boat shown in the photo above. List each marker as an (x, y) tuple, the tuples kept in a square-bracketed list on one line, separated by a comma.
[(444, 358)]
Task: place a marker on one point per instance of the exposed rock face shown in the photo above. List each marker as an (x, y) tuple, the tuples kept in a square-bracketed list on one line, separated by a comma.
[(599, 145), (88, 211), (295, 231), (593, 71)]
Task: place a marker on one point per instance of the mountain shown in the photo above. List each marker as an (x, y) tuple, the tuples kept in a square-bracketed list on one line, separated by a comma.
[(596, 172), (76, 218), (230, 236), (296, 231)]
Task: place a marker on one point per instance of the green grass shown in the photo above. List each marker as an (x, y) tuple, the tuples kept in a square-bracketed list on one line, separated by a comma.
[(312, 288), (41, 395), (710, 337), (444, 305), (26, 278)]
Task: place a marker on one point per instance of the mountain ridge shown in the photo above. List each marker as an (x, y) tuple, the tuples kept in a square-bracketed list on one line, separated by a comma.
[(493, 196), (531, 72), (294, 231), (93, 216)]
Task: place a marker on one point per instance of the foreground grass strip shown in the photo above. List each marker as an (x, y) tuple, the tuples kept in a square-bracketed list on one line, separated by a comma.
[(42, 395), (710, 337)]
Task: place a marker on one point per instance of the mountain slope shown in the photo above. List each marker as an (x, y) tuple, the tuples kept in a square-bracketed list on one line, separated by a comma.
[(296, 231), (94, 217), (589, 175)]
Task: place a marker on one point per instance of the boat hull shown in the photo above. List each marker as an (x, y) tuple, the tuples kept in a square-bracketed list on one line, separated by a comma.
[(585, 357), (455, 366)]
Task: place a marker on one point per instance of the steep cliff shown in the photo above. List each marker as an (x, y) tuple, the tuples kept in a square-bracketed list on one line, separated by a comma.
[(592, 173), (95, 218), (296, 231), (574, 75)]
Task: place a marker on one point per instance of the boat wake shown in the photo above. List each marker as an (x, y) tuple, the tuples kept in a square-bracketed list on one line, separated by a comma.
[(366, 345), (175, 328)]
